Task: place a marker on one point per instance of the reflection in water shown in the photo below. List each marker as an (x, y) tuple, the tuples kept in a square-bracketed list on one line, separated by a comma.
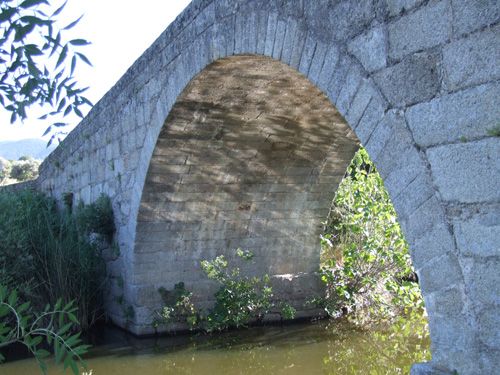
[(320, 348)]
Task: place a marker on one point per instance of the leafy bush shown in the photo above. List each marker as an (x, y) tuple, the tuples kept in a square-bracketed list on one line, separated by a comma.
[(238, 301), (54, 325), (24, 169), (366, 263), (178, 307), (48, 253)]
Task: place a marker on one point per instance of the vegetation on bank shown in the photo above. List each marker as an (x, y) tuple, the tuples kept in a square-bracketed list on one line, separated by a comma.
[(366, 263), (50, 256), (14, 171)]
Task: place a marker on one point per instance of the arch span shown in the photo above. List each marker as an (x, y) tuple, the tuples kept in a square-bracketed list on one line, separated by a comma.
[(249, 157), (417, 85)]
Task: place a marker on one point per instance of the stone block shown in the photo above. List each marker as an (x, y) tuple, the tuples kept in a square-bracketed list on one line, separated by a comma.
[(489, 323), (407, 198), (470, 15), (426, 368), (464, 115), (262, 18), (454, 344), (373, 114), (429, 26), (467, 172), (446, 302), (291, 30), (298, 46), (331, 60), (317, 61), (440, 273), (270, 34), (349, 88), (365, 94), (339, 76), (472, 60), (397, 150), (307, 55), (347, 18), (279, 39), (482, 279), (424, 220), (479, 234), (396, 7), (370, 48), (413, 80), (376, 140)]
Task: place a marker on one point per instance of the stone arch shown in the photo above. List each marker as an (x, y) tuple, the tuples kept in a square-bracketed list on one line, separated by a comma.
[(249, 157), (419, 88)]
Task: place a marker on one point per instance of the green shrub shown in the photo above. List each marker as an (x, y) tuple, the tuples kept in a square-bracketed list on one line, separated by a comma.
[(48, 253), (366, 264), (178, 307), (238, 301), (24, 169)]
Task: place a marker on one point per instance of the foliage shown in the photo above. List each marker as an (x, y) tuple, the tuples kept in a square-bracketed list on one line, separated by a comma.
[(97, 218), (47, 254), (24, 169), (178, 307), (366, 262), (238, 301), (495, 131), (37, 63), (54, 326)]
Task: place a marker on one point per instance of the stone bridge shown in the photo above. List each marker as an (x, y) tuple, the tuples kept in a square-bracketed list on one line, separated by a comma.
[(235, 127)]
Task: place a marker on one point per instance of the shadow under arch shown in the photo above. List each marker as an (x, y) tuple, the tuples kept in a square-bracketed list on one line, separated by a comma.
[(249, 157)]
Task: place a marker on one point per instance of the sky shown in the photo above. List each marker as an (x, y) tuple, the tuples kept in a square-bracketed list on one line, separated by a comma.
[(120, 31)]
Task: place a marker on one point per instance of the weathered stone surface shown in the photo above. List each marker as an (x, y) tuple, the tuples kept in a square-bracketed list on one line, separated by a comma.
[(478, 235), (489, 321), (413, 80), (467, 172), (396, 7), (482, 279), (440, 273), (407, 197), (429, 26), (472, 60), (437, 241), (470, 15), (371, 48), (462, 116), (427, 369), (377, 139)]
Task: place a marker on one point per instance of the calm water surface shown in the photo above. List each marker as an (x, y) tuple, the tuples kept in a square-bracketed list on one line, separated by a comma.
[(314, 348)]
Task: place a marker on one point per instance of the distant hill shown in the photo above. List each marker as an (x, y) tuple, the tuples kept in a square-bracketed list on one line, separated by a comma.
[(13, 150)]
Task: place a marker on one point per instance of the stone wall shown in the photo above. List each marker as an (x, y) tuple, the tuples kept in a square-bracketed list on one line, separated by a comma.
[(418, 83)]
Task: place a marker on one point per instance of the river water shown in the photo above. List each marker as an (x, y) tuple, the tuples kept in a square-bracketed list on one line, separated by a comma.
[(323, 347)]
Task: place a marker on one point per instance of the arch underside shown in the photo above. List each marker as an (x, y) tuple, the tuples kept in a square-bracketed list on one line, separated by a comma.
[(249, 157)]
